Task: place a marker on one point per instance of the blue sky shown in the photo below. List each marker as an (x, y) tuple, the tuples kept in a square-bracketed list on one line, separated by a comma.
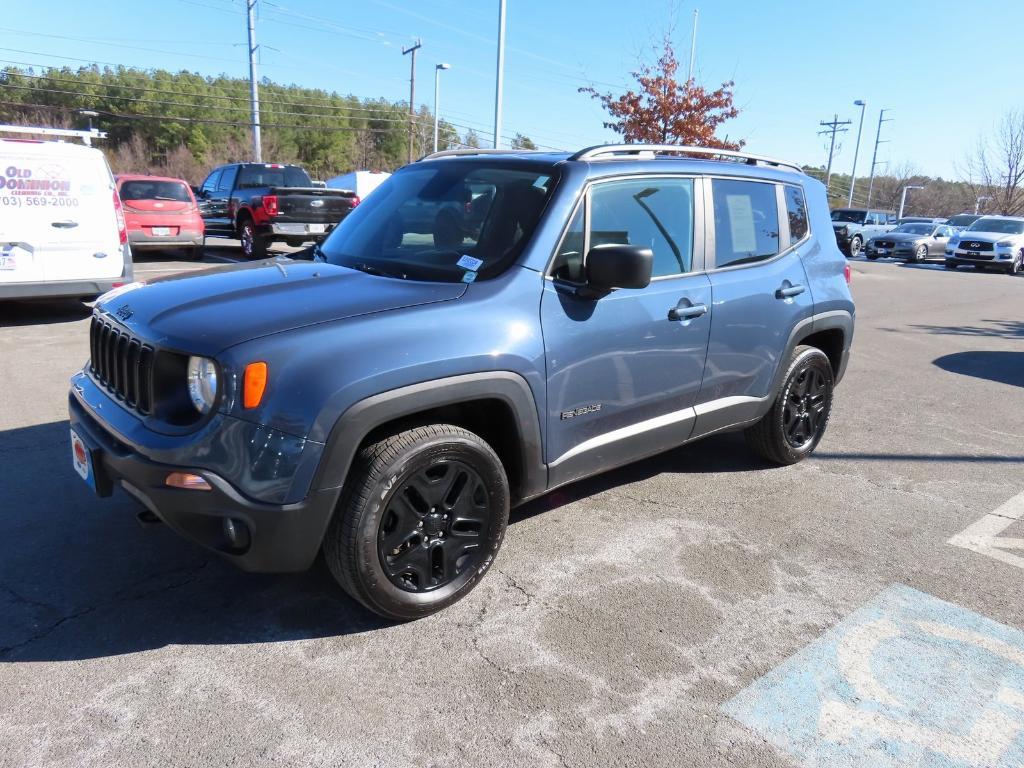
[(795, 62)]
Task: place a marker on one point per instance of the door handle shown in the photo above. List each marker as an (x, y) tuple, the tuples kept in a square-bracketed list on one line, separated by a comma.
[(789, 291), (687, 312), (67, 224)]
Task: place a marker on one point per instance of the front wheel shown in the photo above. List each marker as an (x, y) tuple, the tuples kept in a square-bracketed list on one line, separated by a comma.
[(855, 246), (920, 254), (794, 425), (421, 519), (951, 265), (1017, 265)]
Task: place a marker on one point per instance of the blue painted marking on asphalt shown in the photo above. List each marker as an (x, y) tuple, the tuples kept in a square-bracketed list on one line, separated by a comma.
[(908, 679)]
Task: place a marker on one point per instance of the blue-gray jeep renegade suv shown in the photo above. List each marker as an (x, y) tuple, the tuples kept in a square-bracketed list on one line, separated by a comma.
[(388, 398)]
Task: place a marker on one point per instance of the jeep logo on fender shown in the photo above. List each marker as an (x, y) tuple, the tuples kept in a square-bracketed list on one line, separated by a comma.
[(124, 312)]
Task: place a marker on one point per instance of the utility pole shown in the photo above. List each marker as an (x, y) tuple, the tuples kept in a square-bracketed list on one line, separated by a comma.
[(874, 156), (500, 78), (833, 127), (412, 93), (903, 198), (693, 47), (254, 89), (856, 151)]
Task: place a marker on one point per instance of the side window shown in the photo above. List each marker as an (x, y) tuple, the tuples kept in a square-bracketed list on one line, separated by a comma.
[(796, 209), (568, 264), (227, 180), (210, 185), (248, 177), (656, 213), (746, 221), (874, 218)]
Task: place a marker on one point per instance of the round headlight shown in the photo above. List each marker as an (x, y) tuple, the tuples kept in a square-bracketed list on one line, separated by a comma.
[(202, 383)]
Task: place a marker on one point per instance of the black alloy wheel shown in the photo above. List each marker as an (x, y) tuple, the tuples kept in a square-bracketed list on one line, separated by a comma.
[(420, 521), (804, 413), (434, 526), (796, 421)]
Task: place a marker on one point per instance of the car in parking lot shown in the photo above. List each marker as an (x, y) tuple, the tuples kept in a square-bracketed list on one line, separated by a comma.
[(913, 241), (62, 226), (263, 203), (387, 403), (160, 213), (853, 227), (962, 220), (991, 242)]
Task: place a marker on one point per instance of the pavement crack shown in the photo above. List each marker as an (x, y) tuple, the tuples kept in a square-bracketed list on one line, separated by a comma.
[(116, 599), (21, 599), (547, 745), (517, 586)]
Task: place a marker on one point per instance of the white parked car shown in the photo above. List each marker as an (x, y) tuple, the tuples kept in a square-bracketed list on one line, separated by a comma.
[(991, 241), (62, 230)]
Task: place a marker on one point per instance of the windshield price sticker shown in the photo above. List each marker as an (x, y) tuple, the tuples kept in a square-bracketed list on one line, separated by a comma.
[(470, 263), (468, 277)]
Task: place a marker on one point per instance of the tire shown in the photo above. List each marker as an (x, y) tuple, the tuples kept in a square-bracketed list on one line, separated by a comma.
[(920, 254), (253, 246), (195, 253), (871, 257), (794, 425), (856, 244), (398, 527), (1017, 265), (951, 265)]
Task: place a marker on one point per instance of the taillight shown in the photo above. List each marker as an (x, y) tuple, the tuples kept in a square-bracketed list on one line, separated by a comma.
[(270, 205), (355, 200), (847, 273), (122, 228)]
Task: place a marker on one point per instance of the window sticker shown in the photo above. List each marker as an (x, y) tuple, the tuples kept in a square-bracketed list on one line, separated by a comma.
[(741, 223), (470, 263), (468, 277)]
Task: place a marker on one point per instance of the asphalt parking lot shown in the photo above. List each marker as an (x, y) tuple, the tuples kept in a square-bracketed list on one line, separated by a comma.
[(698, 608)]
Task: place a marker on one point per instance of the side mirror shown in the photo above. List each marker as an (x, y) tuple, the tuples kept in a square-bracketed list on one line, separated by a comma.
[(618, 266)]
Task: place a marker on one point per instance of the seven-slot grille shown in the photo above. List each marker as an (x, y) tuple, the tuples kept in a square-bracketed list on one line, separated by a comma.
[(122, 363)]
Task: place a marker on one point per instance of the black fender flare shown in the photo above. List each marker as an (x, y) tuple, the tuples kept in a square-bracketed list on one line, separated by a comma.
[(823, 321), (361, 418)]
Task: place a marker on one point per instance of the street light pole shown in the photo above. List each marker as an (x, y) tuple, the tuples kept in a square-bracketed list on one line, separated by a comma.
[(412, 93), (254, 89), (856, 151), (903, 198), (437, 90), (874, 155), (500, 81)]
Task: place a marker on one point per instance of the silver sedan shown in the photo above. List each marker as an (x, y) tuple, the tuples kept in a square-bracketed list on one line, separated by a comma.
[(913, 241)]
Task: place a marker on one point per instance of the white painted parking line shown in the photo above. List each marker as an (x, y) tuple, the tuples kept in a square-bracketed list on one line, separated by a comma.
[(906, 680), (983, 536)]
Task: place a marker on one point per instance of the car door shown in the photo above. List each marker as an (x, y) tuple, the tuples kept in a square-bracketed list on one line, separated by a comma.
[(757, 232), (624, 369), (937, 243)]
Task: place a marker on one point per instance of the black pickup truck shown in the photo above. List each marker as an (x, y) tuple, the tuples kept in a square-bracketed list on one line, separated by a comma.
[(261, 203)]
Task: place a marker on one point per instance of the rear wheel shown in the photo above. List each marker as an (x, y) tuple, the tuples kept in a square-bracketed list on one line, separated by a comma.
[(422, 518), (253, 246), (855, 246), (793, 427)]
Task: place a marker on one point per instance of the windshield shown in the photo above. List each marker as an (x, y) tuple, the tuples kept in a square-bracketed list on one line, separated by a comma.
[(155, 190), (1002, 226), (915, 229), (855, 217), (443, 220)]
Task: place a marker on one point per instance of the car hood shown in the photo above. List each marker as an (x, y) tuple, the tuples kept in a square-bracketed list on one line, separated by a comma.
[(987, 237), (206, 312), (900, 237)]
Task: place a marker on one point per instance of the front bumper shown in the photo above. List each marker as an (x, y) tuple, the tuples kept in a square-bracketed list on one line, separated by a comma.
[(997, 259), (297, 229), (281, 536)]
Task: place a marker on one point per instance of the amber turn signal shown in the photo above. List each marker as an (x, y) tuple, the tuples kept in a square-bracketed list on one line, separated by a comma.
[(254, 383), (187, 480)]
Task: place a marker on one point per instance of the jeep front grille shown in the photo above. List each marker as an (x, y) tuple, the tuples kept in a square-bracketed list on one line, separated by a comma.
[(122, 364)]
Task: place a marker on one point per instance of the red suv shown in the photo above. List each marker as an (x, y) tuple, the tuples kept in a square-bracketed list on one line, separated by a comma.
[(161, 213)]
